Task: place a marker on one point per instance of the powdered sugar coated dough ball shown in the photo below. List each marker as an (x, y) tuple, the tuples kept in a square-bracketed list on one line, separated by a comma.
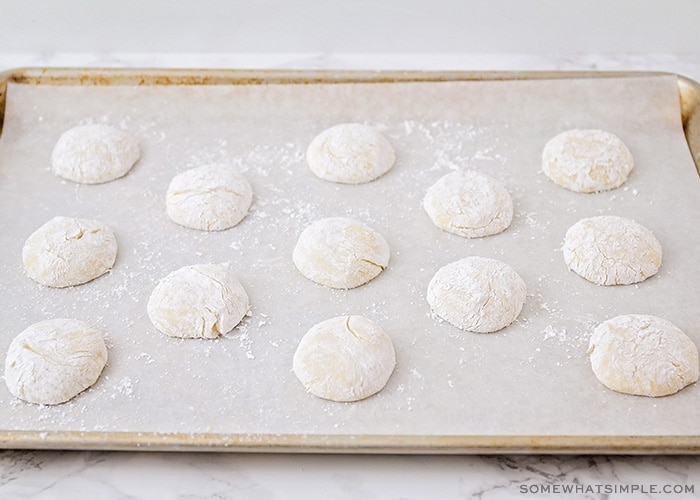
[(611, 250), (587, 161), (477, 294), (643, 355), (92, 154), (469, 204), (340, 253), (67, 252), (347, 358), (200, 301), (350, 153), (209, 198), (53, 361)]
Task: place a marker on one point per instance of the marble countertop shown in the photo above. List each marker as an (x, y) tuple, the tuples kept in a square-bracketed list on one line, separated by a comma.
[(107, 475)]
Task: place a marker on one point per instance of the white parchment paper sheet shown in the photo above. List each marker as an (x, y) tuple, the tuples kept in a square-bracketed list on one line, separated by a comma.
[(532, 378)]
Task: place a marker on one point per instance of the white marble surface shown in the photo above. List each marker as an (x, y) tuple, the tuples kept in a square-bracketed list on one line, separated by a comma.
[(107, 475), (501, 26)]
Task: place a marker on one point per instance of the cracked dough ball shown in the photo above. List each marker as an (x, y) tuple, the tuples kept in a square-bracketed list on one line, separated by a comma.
[(477, 294), (469, 204), (209, 198), (92, 154), (67, 252), (347, 358), (201, 301), (350, 153), (587, 161), (340, 253), (643, 355), (611, 250), (53, 361)]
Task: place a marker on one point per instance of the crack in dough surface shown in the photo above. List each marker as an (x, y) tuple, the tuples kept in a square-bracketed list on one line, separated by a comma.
[(350, 153), (587, 161), (200, 301), (340, 252), (53, 361), (347, 358), (643, 355), (611, 250), (93, 154), (469, 204), (209, 198), (477, 294), (67, 252)]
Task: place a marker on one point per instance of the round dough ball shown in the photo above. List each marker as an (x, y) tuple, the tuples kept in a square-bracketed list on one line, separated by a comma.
[(340, 253), (611, 250), (587, 161), (53, 361), (347, 358), (643, 355), (477, 294), (67, 252), (469, 204), (201, 301), (92, 154), (209, 198), (350, 153)]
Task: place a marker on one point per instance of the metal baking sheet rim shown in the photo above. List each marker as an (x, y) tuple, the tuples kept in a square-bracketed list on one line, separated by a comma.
[(689, 108), (351, 444)]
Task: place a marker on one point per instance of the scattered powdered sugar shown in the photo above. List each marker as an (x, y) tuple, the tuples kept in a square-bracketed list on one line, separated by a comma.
[(146, 357), (551, 332), (533, 220), (246, 344), (124, 387)]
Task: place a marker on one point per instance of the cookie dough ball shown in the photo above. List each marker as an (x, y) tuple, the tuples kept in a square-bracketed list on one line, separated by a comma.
[(92, 154), (350, 153), (201, 301), (587, 161), (643, 355), (53, 361), (67, 252), (347, 358), (469, 204), (477, 294), (209, 198), (340, 253), (611, 250)]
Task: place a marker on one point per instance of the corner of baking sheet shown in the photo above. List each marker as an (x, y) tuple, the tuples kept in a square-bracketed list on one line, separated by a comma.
[(690, 113)]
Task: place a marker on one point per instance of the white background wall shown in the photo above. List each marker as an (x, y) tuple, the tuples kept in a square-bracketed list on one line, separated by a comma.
[(355, 26)]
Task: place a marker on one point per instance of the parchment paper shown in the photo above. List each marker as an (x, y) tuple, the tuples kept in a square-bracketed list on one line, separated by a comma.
[(532, 378)]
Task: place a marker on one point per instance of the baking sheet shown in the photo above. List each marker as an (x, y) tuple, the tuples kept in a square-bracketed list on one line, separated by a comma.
[(530, 379)]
